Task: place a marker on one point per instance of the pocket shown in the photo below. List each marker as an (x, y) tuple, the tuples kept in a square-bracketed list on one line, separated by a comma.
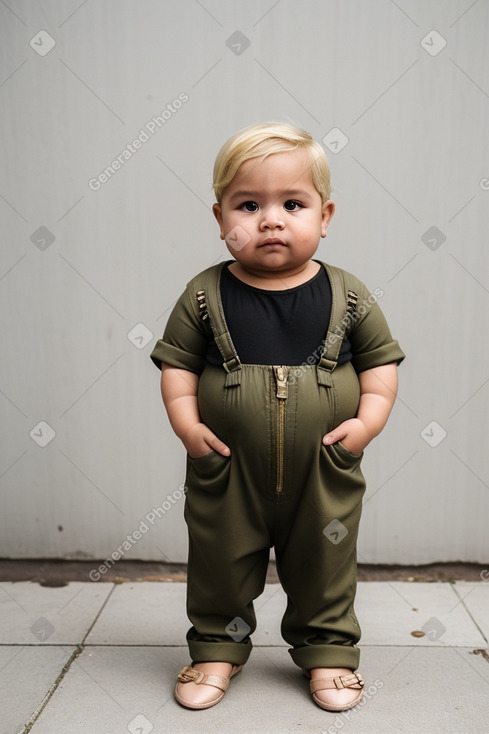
[(198, 458), (342, 458), (341, 471), (208, 473), (347, 451)]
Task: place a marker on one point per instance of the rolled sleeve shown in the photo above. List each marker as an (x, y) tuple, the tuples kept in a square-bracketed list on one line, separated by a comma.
[(184, 342), (370, 337)]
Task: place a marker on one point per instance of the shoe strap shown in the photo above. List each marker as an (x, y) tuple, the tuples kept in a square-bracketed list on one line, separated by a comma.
[(191, 675), (354, 680)]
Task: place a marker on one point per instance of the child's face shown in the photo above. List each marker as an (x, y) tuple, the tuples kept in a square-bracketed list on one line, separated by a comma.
[(271, 215)]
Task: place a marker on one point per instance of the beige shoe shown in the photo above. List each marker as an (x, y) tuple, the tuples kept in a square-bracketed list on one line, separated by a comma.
[(338, 683), (188, 695)]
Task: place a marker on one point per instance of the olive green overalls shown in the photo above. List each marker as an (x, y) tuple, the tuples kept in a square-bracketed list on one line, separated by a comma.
[(282, 488)]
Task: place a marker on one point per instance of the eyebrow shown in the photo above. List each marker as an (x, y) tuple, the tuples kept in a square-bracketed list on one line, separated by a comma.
[(290, 193)]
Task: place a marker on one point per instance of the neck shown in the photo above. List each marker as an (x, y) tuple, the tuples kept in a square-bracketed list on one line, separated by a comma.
[(276, 279)]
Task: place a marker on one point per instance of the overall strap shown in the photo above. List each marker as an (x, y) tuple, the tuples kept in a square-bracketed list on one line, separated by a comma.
[(205, 292), (343, 303)]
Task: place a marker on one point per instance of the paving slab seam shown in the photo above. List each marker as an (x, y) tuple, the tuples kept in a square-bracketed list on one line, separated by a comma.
[(75, 654), (474, 652), (51, 691), (33, 644), (417, 646), (98, 615), (462, 601)]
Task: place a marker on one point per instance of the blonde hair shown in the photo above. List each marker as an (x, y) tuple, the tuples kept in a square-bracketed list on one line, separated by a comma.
[(261, 141)]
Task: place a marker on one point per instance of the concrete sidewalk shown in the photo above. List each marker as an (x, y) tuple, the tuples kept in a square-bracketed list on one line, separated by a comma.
[(101, 658)]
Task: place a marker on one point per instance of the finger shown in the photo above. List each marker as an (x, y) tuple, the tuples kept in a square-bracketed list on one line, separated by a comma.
[(221, 448), (334, 436), (216, 444)]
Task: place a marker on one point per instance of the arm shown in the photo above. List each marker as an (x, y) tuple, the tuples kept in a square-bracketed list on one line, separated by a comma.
[(378, 389), (179, 392)]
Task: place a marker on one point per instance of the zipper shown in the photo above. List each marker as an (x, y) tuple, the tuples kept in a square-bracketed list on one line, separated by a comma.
[(282, 391)]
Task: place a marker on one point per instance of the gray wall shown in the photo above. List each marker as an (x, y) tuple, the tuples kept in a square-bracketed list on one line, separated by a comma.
[(89, 271)]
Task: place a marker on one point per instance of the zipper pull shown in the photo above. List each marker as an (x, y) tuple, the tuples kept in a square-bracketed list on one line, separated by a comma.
[(281, 377)]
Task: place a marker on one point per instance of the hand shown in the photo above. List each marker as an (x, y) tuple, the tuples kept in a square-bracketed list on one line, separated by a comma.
[(199, 440), (352, 433)]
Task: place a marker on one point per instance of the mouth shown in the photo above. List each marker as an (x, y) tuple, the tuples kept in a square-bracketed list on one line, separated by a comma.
[(272, 241)]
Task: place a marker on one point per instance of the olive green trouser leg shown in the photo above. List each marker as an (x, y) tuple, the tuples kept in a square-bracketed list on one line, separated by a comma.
[(316, 562), (229, 546)]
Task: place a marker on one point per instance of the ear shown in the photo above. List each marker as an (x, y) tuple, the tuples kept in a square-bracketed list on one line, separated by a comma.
[(216, 210), (326, 215)]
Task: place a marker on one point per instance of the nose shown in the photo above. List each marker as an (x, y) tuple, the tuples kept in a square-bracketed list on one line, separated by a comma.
[(271, 219)]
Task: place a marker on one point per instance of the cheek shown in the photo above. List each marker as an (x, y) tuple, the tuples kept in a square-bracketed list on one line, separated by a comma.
[(229, 219)]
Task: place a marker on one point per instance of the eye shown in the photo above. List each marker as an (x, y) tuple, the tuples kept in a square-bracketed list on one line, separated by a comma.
[(292, 206), (249, 206)]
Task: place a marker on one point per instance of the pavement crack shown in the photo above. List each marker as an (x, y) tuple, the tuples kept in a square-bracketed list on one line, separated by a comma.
[(482, 652), (52, 690), (74, 655)]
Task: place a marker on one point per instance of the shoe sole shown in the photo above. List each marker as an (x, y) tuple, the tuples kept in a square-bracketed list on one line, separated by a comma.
[(332, 707)]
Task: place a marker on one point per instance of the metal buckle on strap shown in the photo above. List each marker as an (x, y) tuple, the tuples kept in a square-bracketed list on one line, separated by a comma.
[(351, 299), (190, 675), (354, 680), (232, 364), (351, 303), (204, 314), (327, 364)]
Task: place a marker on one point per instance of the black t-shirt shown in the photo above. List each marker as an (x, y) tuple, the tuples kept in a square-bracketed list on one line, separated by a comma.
[(277, 327)]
